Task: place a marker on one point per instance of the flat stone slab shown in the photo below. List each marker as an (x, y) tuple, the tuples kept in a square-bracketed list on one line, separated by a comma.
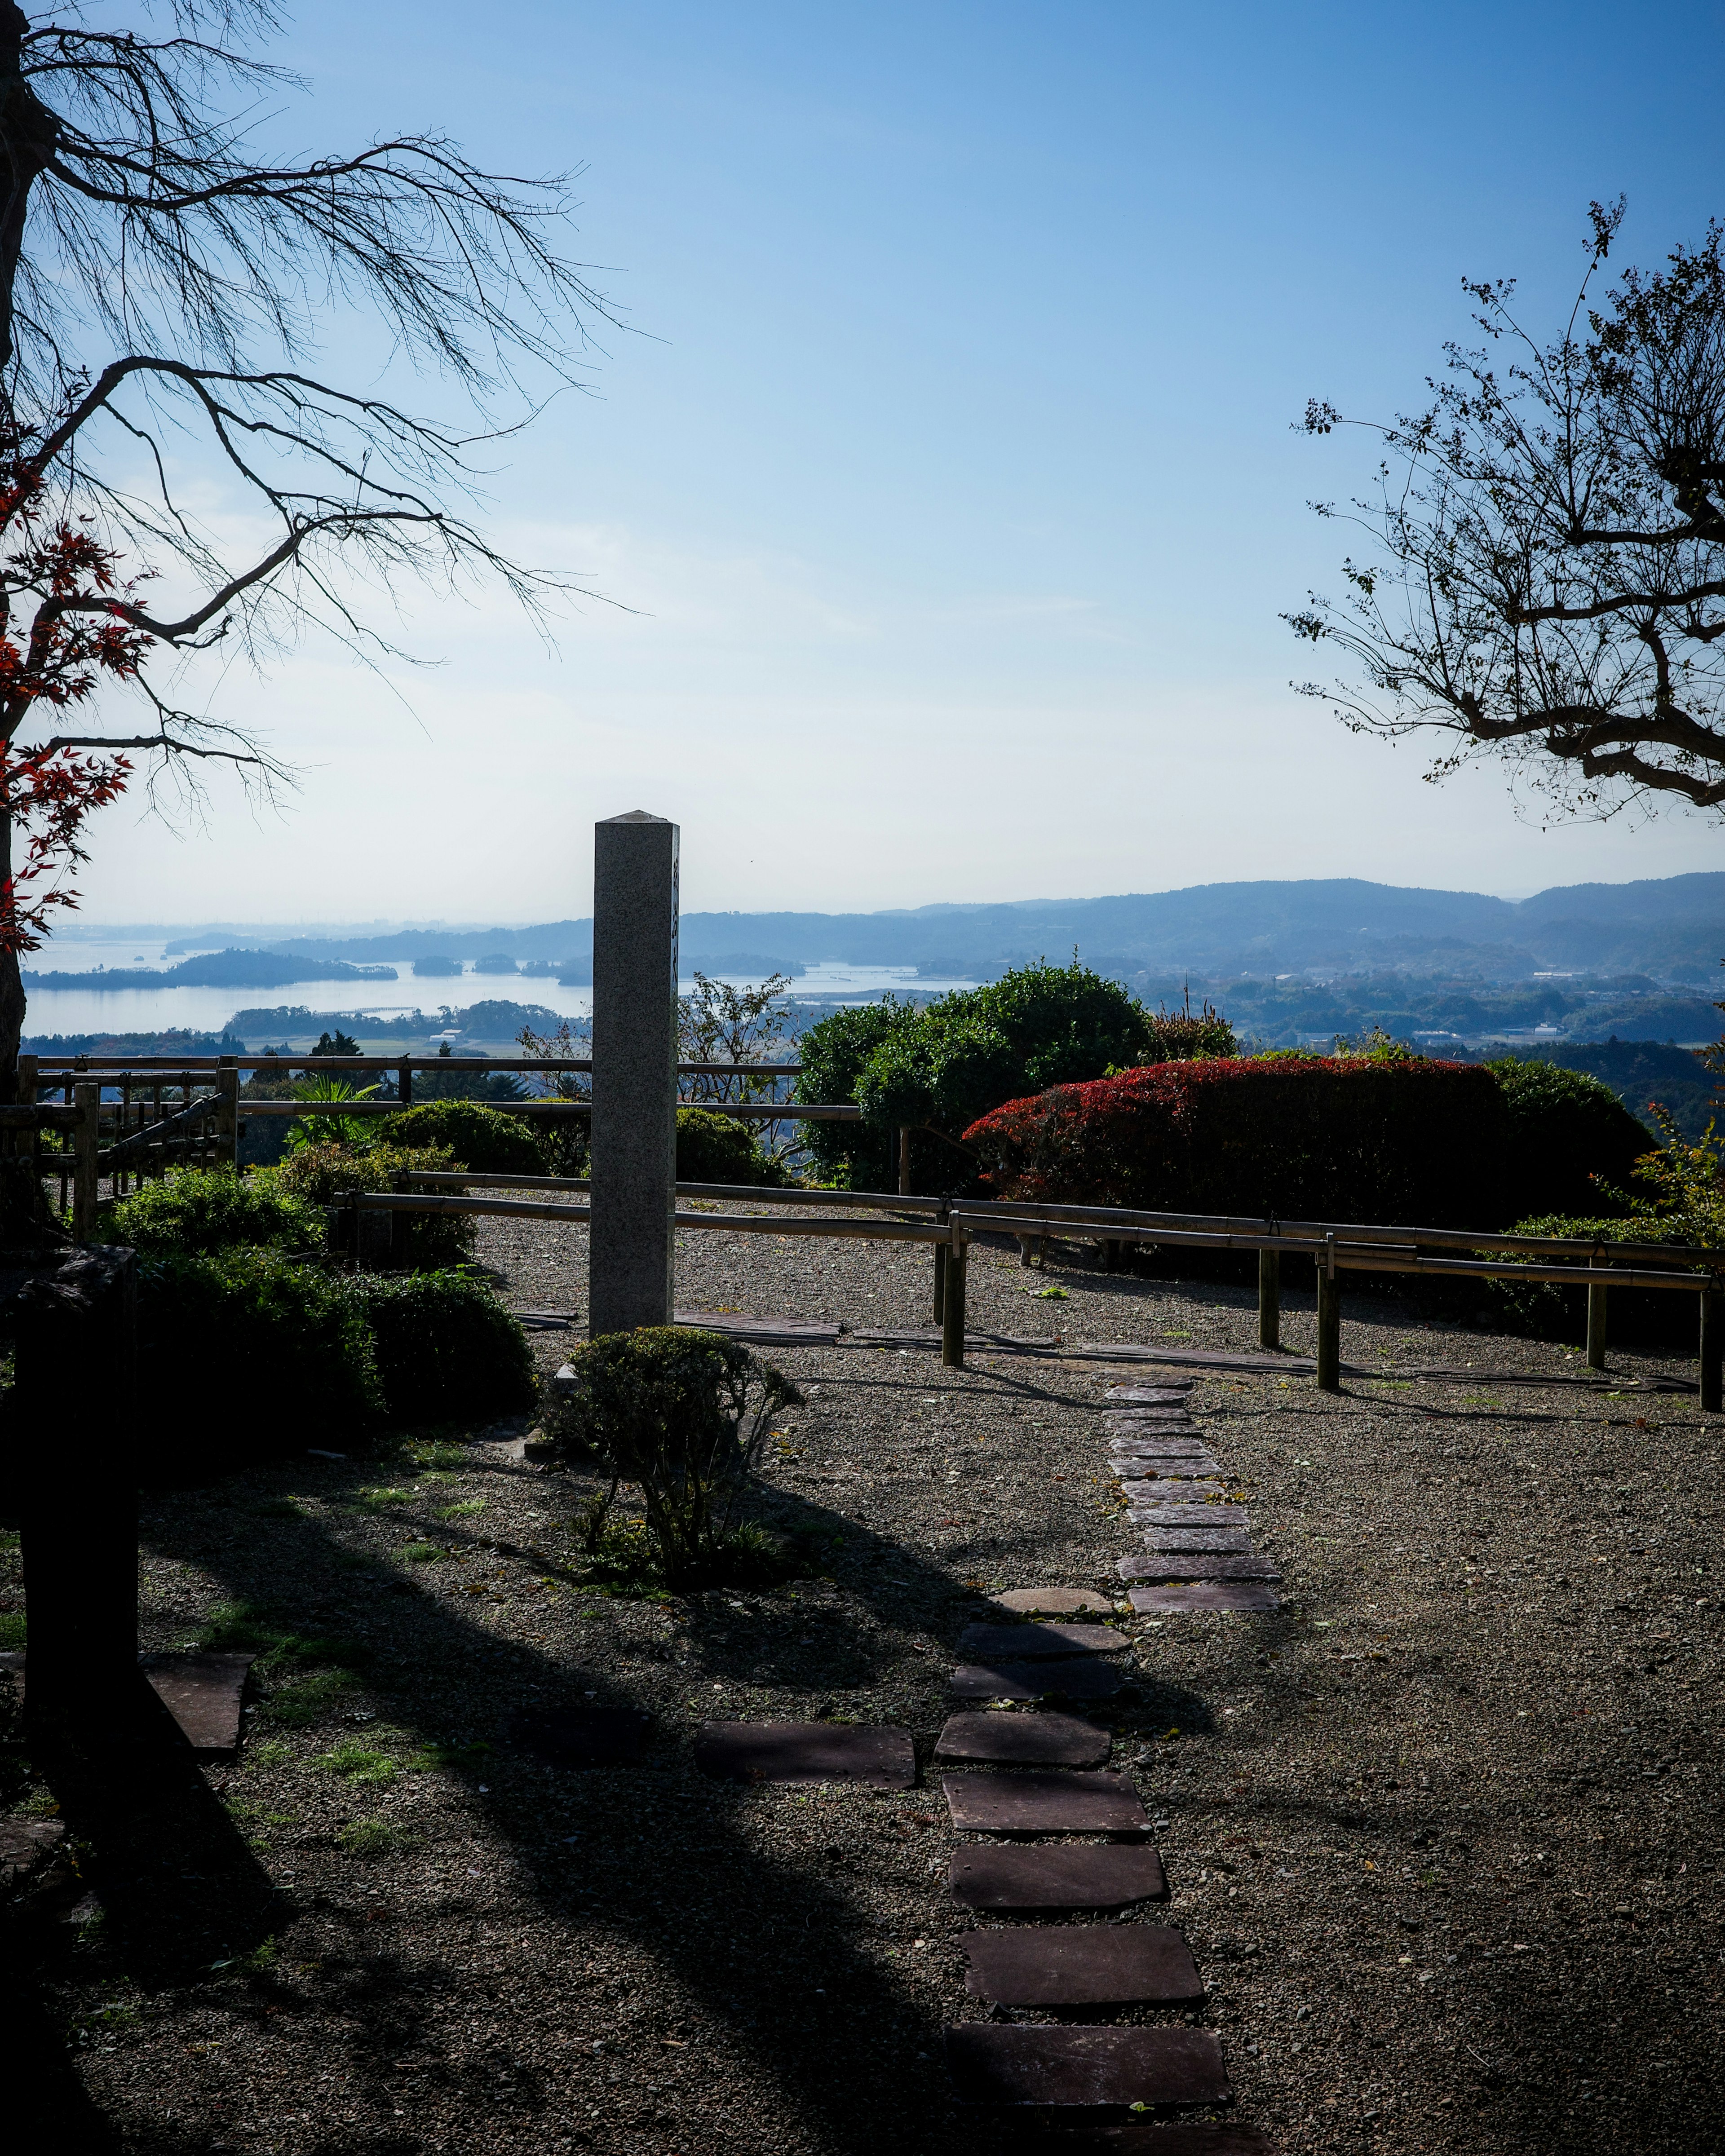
[(1181, 1515), (1074, 1677), (1146, 1395), (1204, 1594), (1055, 1602), (1044, 1804), (1021, 1740), (1069, 1875), (1170, 1489), (26, 1845), (1090, 2067), (806, 1751), (1142, 1466), (593, 1737), (1200, 1564), (1165, 1540), (204, 1693), (762, 1331), (1175, 1444), (1026, 1643), (1082, 1965)]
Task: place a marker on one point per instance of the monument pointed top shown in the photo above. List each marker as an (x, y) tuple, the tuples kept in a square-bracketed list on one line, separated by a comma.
[(635, 816)]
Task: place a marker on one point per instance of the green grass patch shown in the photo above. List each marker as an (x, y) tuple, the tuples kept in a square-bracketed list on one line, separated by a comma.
[(378, 1500), (359, 1763), (464, 1511), (421, 1553), (435, 1454), (304, 1700), (13, 1625), (371, 1837)]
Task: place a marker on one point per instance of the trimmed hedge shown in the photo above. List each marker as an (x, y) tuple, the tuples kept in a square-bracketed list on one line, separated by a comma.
[(715, 1148), (483, 1139), (1343, 1138), (446, 1348), (194, 1212), (244, 1355)]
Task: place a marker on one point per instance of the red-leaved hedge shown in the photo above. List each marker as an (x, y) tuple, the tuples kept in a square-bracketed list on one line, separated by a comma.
[(1314, 1138)]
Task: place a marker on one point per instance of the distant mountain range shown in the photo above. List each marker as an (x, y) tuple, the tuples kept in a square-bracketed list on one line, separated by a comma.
[(1672, 928)]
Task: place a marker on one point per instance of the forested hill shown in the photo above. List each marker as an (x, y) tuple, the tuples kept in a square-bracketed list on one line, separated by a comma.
[(1672, 927)]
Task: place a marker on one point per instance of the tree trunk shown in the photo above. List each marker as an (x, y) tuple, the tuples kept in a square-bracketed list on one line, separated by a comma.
[(28, 133)]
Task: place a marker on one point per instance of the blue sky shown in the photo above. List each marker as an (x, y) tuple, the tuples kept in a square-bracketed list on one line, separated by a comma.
[(946, 471)]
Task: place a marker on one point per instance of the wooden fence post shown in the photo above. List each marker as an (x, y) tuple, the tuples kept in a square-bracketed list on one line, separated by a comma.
[(227, 1112), (952, 1304), (940, 1283), (904, 1163), (86, 1140), (78, 1494), (1329, 1320), (404, 1085), (373, 1237), (1712, 1353), (1596, 1326), (1270, 1298)]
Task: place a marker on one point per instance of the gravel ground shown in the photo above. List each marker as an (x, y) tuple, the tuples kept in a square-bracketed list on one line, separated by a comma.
[(1443, 1831)]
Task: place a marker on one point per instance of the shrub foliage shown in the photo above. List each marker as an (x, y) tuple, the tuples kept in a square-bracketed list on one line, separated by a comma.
[(715, 1148), (484, 1139), (446, 1348), (422, 1242), (1342, 1138), (195, 1212), (1567, 1133), (683, 1413)]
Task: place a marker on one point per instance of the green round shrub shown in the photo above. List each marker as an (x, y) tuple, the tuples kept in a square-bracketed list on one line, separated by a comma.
[(484, 1139), (1565, 1128), (716, 1148), (446, 1348), (193, 1212), (327, 1174), (243, 1355), (1649, 1317)]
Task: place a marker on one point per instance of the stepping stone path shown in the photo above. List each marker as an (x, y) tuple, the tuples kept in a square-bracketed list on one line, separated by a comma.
[(1199, 1558), (1083, 1965), (806, 1751), (1069, 1875), (1055, 1602), (1164, 1540), (1070, 1677), (1200, 1564), (204, 1692), (1086, 2068), (1035, 1802), (1021, 1643), (1238, 1594), (1020, 1740)]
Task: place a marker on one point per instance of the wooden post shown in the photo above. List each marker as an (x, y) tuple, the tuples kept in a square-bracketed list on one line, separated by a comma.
[(1712, 1353), (373, 1238), (904, 1163), (952, 1304), (1329, 1321), (1596, 1294), (404, 1085), (227, 1112), (940, 1283), (86, 1142), (77, 1477), (1270, 1298)]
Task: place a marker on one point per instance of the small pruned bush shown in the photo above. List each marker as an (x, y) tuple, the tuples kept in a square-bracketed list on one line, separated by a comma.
[(683, 1414), (328, 1174), (197, 1211), (716, 1148), (484, 1139), (446, 1348), (245, 1355)]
